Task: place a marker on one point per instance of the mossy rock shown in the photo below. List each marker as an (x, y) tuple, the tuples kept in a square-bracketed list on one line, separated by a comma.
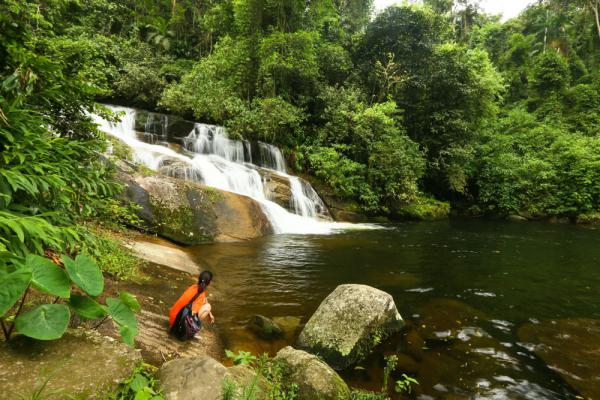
[(265, 328), (349, 323), (588, 219), (190, 213), (424, 209), (314, 378)]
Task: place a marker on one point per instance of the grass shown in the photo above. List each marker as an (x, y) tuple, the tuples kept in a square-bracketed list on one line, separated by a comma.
[(111, 255)]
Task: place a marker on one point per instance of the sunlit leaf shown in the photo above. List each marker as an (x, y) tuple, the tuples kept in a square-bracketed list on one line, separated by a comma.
[(45, 322), (49, 277), (85, 273)]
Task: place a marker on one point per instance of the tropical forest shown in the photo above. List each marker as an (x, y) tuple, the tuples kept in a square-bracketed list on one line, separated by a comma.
[(299, 199)]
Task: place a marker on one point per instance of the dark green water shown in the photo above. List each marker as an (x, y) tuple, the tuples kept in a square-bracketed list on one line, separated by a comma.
[(493, 276)]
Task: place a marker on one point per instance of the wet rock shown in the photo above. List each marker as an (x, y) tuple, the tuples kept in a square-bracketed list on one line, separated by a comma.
[(315, 379), (349, 323), (278, 188), (445, 319), (163, 252), (190, 213), (265, 328), (288, 324), (570, 347), (413, 344), (82, 364), (156, 292), (516, 218), (204, 378)]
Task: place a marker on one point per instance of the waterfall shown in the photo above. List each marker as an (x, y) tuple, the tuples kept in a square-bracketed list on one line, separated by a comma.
[(210, 157), (271, 157)]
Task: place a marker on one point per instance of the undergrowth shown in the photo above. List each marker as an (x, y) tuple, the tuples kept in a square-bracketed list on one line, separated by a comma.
[(107, 248), (141, 385)]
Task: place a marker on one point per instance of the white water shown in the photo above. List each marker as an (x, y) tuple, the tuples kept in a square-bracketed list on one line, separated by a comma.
[(217, 161)]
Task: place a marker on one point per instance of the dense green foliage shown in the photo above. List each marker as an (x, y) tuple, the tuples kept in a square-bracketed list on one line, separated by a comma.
[(417, 102), (53, 177)]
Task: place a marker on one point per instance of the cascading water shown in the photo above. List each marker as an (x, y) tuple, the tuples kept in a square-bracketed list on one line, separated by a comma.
[(211, 158)]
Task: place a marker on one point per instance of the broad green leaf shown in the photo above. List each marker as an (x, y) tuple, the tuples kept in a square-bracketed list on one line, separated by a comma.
[(85, 273), (86, 307), (12, 287), (122, 314), (130, 301), (138, 383), (142, 395), (49, 277), (127, 335), (45, 322)]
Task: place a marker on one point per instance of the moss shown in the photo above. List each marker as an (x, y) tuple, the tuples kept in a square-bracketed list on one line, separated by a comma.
[(119, 149), (213, 195), (424, 209), (589, 219), (175, 223), (145, 171)]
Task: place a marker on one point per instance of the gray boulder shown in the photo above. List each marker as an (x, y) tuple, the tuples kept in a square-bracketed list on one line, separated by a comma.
[(315, 379), (190, 213), (349, 323), (82, 364), (205, 378)]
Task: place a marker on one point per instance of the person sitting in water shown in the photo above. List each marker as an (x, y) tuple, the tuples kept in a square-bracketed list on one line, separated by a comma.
[(191, 309)]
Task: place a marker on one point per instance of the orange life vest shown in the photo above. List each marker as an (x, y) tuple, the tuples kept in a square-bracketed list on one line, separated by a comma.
[(184, 300)]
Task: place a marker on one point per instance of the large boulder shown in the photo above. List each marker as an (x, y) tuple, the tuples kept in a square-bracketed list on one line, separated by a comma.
[(205, 378), (190, 213), (571, 348), (82, 364), (349, 323), (315, 379), (278, 189)]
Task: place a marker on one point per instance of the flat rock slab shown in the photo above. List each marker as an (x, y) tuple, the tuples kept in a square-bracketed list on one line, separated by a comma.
[(571, 347), (160, 288), (82, 364), (162, 252)]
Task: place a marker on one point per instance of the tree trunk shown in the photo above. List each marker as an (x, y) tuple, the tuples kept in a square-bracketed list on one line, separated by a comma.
[(594, 7)]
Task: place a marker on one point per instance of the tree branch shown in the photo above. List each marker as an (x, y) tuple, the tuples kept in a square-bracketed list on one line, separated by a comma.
[(4, 329), (594, 7), (18, 312)]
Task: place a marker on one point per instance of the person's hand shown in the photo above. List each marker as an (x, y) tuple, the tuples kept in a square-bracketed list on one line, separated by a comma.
[(211, 318)]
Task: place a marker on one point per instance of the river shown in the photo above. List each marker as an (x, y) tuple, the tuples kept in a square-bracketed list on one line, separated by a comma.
[(485, 279)]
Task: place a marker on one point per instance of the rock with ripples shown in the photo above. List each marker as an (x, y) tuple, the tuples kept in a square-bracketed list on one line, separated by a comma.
[(81, 365), (315, 379), (349, 323), (571, 348)]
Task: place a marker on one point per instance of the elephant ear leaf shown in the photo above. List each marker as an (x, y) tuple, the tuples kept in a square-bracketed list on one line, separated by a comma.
[(12, 287), (85, 273), (45, 322), (130, 301), (49, 277), (87, 308), (124, 317)]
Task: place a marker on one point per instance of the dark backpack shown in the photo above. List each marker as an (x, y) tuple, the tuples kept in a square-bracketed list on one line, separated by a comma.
[(186, 324)]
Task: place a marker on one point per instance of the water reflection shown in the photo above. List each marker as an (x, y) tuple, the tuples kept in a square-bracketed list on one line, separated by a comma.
[(464, 287)]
